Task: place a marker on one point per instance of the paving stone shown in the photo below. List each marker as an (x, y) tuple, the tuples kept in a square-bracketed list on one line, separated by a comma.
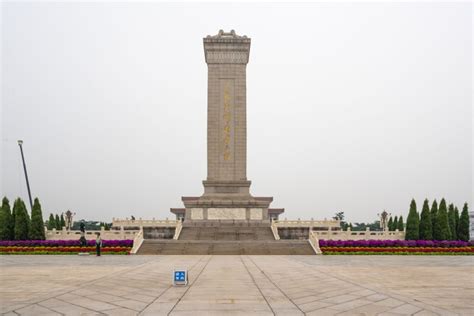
[(351, 305), (424, 312), (287, 312), (391, 302), (105, 297), (74, 310), (120, 312), (337, 299), (131, 304), (406, 309), (141, 298), (369, 310), (34, 310), (311, 306), (376, 297), (323, 312), (92, 304)]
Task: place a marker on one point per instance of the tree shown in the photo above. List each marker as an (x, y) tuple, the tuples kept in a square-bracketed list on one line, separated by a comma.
[(395, 224), (400, 223), (57, 222), (37, 224), (108, 225), (463, 231), (63, 222), (434, 215), (22, 221), (374, 226), (6, 225), (441, 228), (426, 228), (452, 222), (413, 223), (12, 228), (51, 222), (456, 217), (339, 216), (390, 224)]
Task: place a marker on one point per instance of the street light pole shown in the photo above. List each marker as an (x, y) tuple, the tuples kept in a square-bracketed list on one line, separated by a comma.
[(20, 143)]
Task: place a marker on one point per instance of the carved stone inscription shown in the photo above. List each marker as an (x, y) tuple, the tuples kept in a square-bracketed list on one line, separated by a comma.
[(226, 119), (226, 213)]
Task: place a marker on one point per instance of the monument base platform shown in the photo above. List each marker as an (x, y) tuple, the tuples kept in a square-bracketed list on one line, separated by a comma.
[(216, 207)]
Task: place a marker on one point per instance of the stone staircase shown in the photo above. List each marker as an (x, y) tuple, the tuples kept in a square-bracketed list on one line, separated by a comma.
[(226, 233), (226, 238), (202, 247)]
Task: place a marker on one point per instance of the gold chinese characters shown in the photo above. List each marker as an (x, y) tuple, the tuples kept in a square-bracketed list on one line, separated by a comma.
[(227, 116)]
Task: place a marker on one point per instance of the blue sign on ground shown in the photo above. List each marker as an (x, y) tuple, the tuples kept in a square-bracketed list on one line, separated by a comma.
[(180, 277)]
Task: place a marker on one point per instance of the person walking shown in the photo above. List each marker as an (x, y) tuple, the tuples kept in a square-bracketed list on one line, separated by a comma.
[(98, 244)]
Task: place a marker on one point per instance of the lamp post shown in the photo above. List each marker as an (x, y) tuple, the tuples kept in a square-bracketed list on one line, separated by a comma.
[(20, 143)]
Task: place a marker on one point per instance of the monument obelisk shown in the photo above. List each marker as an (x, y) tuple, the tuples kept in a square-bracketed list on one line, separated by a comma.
[(226, 189)]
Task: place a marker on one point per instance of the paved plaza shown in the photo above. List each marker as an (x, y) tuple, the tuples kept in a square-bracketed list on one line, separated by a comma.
[(258, 285)]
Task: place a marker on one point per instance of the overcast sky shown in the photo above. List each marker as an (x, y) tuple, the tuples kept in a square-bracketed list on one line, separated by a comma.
[(351, 107)]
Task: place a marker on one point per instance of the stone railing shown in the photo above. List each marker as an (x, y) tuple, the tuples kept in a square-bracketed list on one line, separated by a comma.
[(177, 231), (360, 235), (314, 242), (116, 222), (137, 242), (307, 223), (275, 230), (90, 234)]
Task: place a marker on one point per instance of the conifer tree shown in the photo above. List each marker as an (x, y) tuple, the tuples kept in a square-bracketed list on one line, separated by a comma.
[(452, 222), (434, 215), (63, 222), (28, 218), (390, 224), (413, 223), (57, 221), (426, 229), (37, 224), (456, 217), (400, 223), (395, 224), (6, 225), (441, 229), (22, 221), (13, 223), (463, 231), (51, 222)]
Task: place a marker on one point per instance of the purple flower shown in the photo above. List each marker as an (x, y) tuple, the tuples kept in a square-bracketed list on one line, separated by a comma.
[(64, 243), (395, 243)]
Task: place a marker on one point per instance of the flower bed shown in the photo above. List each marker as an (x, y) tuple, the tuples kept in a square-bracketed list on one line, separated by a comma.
[(47, 247), (396, 247)]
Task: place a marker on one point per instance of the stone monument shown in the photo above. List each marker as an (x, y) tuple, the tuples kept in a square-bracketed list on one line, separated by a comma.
[(226, 189)]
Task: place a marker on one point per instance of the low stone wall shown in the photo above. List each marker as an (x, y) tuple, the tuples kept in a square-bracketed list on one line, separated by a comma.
[(118, 223), (293, 232), (313, 224), (90, 234), (360, 235), (329, 230)]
